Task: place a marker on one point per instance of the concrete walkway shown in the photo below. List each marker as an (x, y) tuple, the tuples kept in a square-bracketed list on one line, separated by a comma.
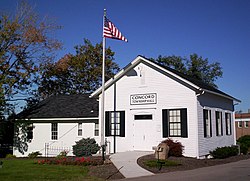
[(126, 162)]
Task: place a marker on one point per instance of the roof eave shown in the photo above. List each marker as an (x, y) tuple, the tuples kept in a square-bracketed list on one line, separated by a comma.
[(218, 94)]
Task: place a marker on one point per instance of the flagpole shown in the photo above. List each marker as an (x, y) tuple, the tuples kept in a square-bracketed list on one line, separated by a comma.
[(103, 92)]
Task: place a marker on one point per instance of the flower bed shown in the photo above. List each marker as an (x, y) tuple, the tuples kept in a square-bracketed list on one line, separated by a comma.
[(82, 161)]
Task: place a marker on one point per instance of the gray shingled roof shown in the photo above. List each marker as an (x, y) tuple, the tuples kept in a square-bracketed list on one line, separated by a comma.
[(63, 106)]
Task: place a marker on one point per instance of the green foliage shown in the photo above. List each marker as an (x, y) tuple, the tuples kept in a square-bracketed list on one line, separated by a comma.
[(195, 66), (25, 42), (34, 154), (175, 147), (79, 73), (62, 154), (85, 147), (224, 152), (10, 156), (21, 139), (244, 143), (164, 163)]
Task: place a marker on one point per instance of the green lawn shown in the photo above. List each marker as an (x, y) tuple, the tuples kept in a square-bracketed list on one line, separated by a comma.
[(164, 163), (27, 170)]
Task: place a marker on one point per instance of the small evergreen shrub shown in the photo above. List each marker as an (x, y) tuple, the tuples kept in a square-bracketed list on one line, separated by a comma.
[(34, 154), (244, 143), (175, 147), (224, 152), (85, 147)]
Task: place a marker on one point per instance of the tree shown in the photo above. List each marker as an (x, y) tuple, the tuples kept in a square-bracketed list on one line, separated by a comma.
[(195, 67), (25, 42), (79, 73)]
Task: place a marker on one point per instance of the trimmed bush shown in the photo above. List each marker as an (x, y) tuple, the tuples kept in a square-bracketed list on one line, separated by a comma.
[(34, 154), (175, 147), (224, 152), (85, 147), (244, 143)]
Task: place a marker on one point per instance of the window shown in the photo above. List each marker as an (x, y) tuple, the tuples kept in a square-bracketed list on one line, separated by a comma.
[(96, 133), (54, 131), (246, 124), (79, 129), (115, 123), (30, 132), (144, 117), (219, 127), (228, 124), (174, 122), (207, 123), (239, 124)]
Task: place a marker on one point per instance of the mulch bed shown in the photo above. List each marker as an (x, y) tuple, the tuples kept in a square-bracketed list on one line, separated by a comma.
[(106, 171), (187, 163)]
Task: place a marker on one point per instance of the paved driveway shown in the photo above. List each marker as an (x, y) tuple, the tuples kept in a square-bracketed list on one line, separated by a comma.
[(236, 171)]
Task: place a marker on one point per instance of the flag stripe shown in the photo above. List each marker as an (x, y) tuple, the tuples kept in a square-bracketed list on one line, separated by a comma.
[(110, 31)]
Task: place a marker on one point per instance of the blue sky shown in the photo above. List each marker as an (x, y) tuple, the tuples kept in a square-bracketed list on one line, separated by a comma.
[(215, 29)]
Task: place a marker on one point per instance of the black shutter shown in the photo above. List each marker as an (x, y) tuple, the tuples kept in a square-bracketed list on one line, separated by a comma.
[(107, 124), (165, 122), (122, 123), (184, 126), (210, 123), (204, 122)]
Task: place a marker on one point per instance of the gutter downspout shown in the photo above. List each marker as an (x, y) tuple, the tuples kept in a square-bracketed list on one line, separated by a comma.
[(201, 92)]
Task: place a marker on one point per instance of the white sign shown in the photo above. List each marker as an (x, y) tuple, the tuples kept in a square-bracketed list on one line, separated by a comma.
[(138, 99)]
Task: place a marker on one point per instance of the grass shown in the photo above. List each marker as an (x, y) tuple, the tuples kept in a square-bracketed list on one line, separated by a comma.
[(26, 169), (164, 163)]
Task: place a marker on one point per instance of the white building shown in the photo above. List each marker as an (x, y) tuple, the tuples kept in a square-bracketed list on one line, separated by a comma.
[(145, 104)]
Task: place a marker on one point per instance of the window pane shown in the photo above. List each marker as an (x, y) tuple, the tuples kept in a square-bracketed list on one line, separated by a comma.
[(143, 117)]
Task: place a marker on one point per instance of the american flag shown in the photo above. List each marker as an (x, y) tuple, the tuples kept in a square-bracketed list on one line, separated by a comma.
[(110, 31)]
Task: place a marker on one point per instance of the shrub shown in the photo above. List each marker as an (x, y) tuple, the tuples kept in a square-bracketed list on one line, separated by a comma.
[(10, 156), (175, 147), (224, 152), (80, 161), (244, 143), (62, 154), (85, 147), (34, 154)]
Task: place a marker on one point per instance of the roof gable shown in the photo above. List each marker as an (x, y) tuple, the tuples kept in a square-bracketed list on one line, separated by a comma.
[(190, 82)]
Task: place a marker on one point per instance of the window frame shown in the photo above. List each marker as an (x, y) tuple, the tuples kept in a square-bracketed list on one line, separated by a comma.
[(240, 124), (139, 117), (80, 130), (183, 123), (219, 124), (120, 125), (174, 123), (207, 123), (246, 124), (228, 122), (96, 129), (54, 131)]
